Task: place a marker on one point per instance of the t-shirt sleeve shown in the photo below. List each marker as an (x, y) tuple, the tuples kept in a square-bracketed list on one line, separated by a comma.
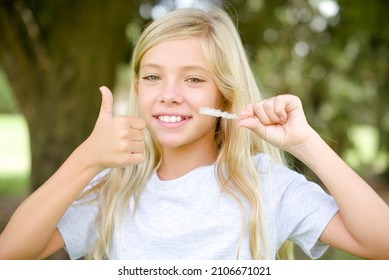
[(302, 209), (308, 210), (77, 225)]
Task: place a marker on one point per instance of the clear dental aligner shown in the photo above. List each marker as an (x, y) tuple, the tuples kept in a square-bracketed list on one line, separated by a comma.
[(217, 113)]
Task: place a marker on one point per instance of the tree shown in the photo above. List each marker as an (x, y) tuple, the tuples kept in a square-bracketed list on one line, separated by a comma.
[(334, 55), (56, 54)]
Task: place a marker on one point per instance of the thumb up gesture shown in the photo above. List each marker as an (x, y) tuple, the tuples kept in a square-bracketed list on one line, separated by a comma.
[(115, 141)]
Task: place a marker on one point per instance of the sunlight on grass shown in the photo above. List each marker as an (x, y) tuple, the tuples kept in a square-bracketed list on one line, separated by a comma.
[(14, 155), (330, 254)]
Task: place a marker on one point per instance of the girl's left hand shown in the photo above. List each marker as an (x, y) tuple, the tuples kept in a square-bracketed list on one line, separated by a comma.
[(278, 120)]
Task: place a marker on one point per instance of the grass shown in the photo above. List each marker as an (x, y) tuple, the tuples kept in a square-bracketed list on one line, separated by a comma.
[(14, 155), (330, 254)]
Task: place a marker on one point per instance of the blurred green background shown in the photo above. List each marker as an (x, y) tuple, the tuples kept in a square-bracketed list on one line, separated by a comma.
[(55, 54)]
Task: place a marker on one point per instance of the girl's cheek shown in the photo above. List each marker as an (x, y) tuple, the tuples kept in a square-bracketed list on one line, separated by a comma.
[(144, 109)]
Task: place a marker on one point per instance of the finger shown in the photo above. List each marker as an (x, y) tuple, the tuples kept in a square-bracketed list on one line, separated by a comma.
[(247, 117), (137, 123), (133, 158), (261, 114), (254, 125), (137, 147), (250, 123), (137, 158), (274, 108), (247, 112), (280, 109), (292, 102), (137, 135), (106, 102)]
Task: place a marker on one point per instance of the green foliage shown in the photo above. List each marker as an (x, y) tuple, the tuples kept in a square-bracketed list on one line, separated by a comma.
[(335, 56), (7, 100)]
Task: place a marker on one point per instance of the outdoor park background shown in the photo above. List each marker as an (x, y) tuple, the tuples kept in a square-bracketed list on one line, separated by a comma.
[(54, 55)]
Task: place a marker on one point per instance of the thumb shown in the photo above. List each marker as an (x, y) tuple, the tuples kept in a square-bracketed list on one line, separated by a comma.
[(106, 102)]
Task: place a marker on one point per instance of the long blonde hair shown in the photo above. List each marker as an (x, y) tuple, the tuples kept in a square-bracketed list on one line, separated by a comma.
[(230, 68)]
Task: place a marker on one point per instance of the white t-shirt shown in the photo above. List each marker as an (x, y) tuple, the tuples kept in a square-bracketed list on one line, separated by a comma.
[(189, 218)]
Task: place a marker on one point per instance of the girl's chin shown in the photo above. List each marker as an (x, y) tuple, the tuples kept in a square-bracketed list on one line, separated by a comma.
[(169, 144)]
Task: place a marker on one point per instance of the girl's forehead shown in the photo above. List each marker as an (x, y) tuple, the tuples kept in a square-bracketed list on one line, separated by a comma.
[(185, 52), (190, 46)]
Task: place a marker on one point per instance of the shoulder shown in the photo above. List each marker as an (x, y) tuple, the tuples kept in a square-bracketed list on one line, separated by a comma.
[(278, 172), (271, 169), (280, 183)]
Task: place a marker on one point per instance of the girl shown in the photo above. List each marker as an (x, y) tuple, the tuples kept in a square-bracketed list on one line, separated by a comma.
[(166, 182)]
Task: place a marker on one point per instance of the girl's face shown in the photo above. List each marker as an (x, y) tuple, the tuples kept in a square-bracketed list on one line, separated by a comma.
[(174, 82)]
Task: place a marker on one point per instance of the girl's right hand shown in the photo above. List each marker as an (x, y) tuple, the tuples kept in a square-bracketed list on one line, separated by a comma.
[(114, 141)]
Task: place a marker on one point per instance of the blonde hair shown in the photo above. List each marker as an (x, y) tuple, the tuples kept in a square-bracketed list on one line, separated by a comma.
[(230, 68)]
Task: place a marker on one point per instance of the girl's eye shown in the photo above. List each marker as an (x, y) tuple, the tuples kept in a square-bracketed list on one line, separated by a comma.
[(151, 78), (195, 80)]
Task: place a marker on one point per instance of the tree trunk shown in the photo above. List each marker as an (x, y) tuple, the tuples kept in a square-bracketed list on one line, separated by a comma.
[(56, 57)]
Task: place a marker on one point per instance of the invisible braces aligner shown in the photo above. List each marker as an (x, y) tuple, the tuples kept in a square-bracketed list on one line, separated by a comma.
[(217, 113)]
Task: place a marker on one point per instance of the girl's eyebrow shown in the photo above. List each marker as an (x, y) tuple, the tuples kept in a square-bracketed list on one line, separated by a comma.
[(152, 65), (196, 67), (189, 67)]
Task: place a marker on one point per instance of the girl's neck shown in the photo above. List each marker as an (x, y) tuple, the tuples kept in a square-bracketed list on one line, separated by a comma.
[(178, 162)]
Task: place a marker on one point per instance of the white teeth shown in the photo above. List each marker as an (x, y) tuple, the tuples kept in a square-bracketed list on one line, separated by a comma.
[(170, 119)]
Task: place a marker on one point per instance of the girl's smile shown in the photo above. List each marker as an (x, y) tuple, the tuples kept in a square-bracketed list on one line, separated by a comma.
[(172, 120)]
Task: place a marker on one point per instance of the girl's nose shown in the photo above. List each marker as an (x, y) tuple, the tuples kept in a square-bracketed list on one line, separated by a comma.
[(171, 95)]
